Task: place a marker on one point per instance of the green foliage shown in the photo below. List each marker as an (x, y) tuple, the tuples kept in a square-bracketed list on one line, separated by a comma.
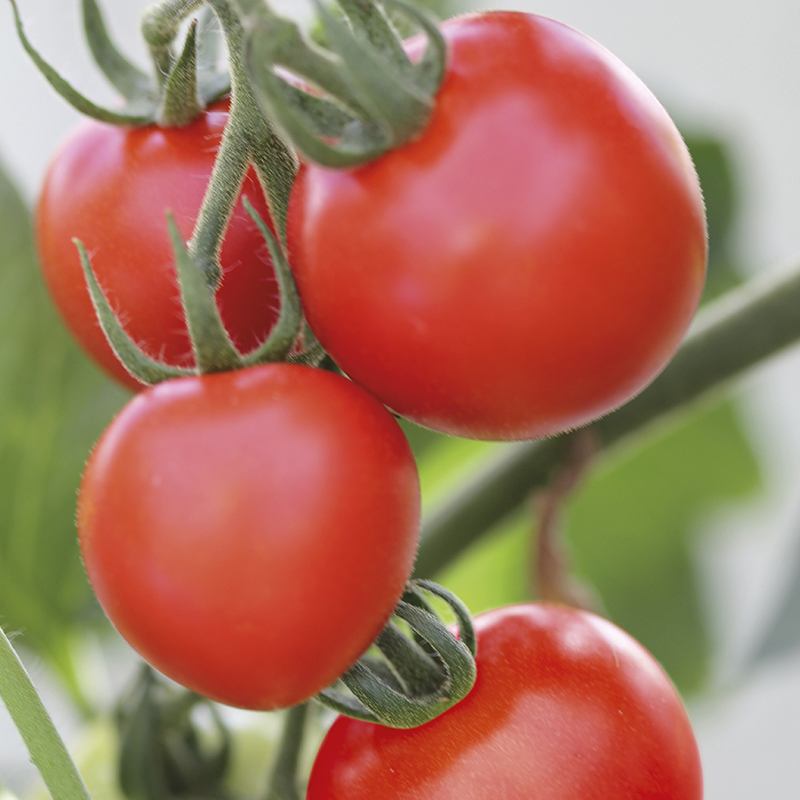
[(634, 523), (53, 405), (631, 529)]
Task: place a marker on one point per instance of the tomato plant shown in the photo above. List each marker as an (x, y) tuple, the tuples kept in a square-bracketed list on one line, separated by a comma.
[(110, 187), (497, 232), (566, 706), (249, 533), (526, 265)]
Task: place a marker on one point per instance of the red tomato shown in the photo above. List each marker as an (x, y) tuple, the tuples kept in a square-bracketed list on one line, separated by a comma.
[(530, 262), (566, 707), (111, 187), (249, 533)]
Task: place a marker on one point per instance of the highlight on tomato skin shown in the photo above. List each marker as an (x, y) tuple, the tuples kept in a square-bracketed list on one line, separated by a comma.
[(566, 706), (530, 262), (111, 187), (250, 532)]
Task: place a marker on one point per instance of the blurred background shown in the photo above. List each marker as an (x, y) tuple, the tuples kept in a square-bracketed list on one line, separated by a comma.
[(690, 535)]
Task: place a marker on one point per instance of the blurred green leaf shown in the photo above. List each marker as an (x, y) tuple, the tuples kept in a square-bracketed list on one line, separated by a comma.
[(714, 166), (53, 405), (633, 524), (718, 179), (631, 528)]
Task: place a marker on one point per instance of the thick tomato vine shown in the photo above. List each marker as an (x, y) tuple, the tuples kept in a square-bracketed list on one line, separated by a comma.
[(526, 265), (111, 187), (566, 706), (249, 533)]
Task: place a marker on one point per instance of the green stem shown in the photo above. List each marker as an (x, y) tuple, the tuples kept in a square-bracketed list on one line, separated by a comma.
[(283, 783), (738, 331), (227, 177), (234, 156), (45, 746), (248, 138), (275, 164)]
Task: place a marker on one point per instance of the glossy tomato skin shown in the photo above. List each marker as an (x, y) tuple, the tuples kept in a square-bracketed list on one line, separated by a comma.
[(111, 187), (249, 533), (566, 707), (530, 262)]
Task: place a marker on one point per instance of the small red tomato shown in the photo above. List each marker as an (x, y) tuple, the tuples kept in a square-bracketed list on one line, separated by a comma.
[(111, 188), (526, 265), (566, 707), (250, 533)]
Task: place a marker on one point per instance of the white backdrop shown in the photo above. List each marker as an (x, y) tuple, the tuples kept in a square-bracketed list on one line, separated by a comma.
[(730, 67)]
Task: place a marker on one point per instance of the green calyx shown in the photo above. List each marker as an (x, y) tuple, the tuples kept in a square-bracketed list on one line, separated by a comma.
[(213, 349), (181, 86), (367, 96), (353, 100), (411, 679)]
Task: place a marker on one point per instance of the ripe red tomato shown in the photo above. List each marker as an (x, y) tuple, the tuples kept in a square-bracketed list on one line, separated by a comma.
[(566, 707), (249, 533), (111, 187), (530, 262)]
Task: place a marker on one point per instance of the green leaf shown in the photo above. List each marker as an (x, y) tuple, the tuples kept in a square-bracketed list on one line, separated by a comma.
[(53, 405)]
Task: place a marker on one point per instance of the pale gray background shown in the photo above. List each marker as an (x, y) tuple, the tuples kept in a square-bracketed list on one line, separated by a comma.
[(731, 67)]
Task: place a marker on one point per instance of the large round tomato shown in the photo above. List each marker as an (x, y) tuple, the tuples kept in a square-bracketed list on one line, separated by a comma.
[(249, 533), (111, 188), (526, 265), (566, 707)]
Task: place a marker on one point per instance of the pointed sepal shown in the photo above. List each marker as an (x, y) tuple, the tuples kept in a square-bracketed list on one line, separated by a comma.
[(144, 368), (369, 97), (284, 334), (133, 115), (130, 81), (370, 17), (389, 95), (213, 349), (180, 103)]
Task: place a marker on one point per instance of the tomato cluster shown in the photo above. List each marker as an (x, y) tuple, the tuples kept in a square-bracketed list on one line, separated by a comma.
[(524, 266)]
